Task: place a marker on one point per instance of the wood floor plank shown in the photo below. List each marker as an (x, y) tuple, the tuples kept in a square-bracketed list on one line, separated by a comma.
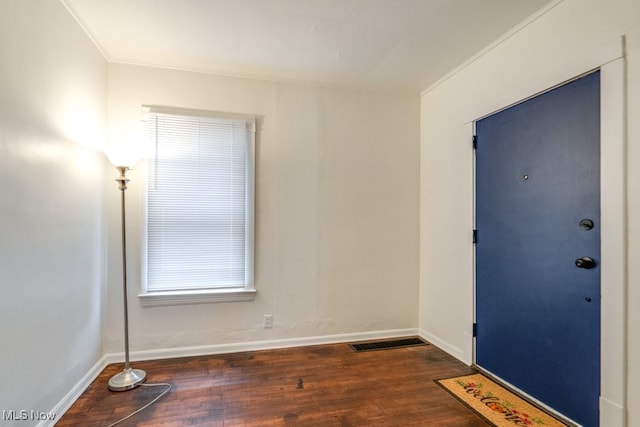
[(323, 386)]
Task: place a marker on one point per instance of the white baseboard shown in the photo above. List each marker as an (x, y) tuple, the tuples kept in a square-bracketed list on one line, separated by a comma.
[(73, 395), (611, 413), (169, 353), (443, 345)]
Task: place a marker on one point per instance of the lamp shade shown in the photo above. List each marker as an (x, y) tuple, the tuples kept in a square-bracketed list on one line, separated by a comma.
[(123, 154)]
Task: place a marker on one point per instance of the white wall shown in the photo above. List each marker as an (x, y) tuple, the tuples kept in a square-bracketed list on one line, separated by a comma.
[(566, 34), (52, 110), (337, 212)]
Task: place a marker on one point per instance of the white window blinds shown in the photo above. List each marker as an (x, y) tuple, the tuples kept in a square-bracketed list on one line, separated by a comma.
[(199, 203)]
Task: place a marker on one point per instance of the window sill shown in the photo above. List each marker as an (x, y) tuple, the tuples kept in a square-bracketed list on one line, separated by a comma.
[(153, 299)]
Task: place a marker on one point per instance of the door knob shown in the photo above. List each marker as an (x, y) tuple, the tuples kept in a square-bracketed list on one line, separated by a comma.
[(585, 262)]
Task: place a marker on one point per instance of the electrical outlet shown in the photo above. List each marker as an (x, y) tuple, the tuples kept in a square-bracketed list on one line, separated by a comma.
[(268, 321)]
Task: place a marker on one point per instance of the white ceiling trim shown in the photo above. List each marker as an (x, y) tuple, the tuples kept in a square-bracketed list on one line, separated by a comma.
[(86, 31), (513, 31)]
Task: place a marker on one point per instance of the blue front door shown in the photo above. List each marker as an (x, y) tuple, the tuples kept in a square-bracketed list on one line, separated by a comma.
[(538, 247)]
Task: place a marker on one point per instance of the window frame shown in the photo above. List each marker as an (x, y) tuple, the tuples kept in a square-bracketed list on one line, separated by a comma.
[(206, 295)]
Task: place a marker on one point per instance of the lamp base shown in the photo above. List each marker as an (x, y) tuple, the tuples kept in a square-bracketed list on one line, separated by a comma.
[(127, 379)]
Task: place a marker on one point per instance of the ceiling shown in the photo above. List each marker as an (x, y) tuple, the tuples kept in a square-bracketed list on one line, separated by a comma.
[(398, 45)]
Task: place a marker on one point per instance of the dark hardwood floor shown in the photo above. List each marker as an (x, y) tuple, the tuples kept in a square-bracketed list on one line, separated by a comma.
[(325, 385)]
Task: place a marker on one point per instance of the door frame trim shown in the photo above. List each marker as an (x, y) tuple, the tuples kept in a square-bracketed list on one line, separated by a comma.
[(609, 58)]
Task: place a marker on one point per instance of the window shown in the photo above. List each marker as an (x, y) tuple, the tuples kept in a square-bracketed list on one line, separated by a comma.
[(199, 210)]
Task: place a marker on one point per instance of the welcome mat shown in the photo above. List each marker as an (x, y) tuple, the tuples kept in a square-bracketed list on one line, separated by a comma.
[(495, 404)]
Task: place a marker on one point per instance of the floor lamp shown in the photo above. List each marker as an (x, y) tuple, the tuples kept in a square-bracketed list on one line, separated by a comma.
[(129, 378)]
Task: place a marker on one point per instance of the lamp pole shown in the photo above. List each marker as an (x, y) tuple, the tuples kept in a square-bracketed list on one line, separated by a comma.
[(129, 378)]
